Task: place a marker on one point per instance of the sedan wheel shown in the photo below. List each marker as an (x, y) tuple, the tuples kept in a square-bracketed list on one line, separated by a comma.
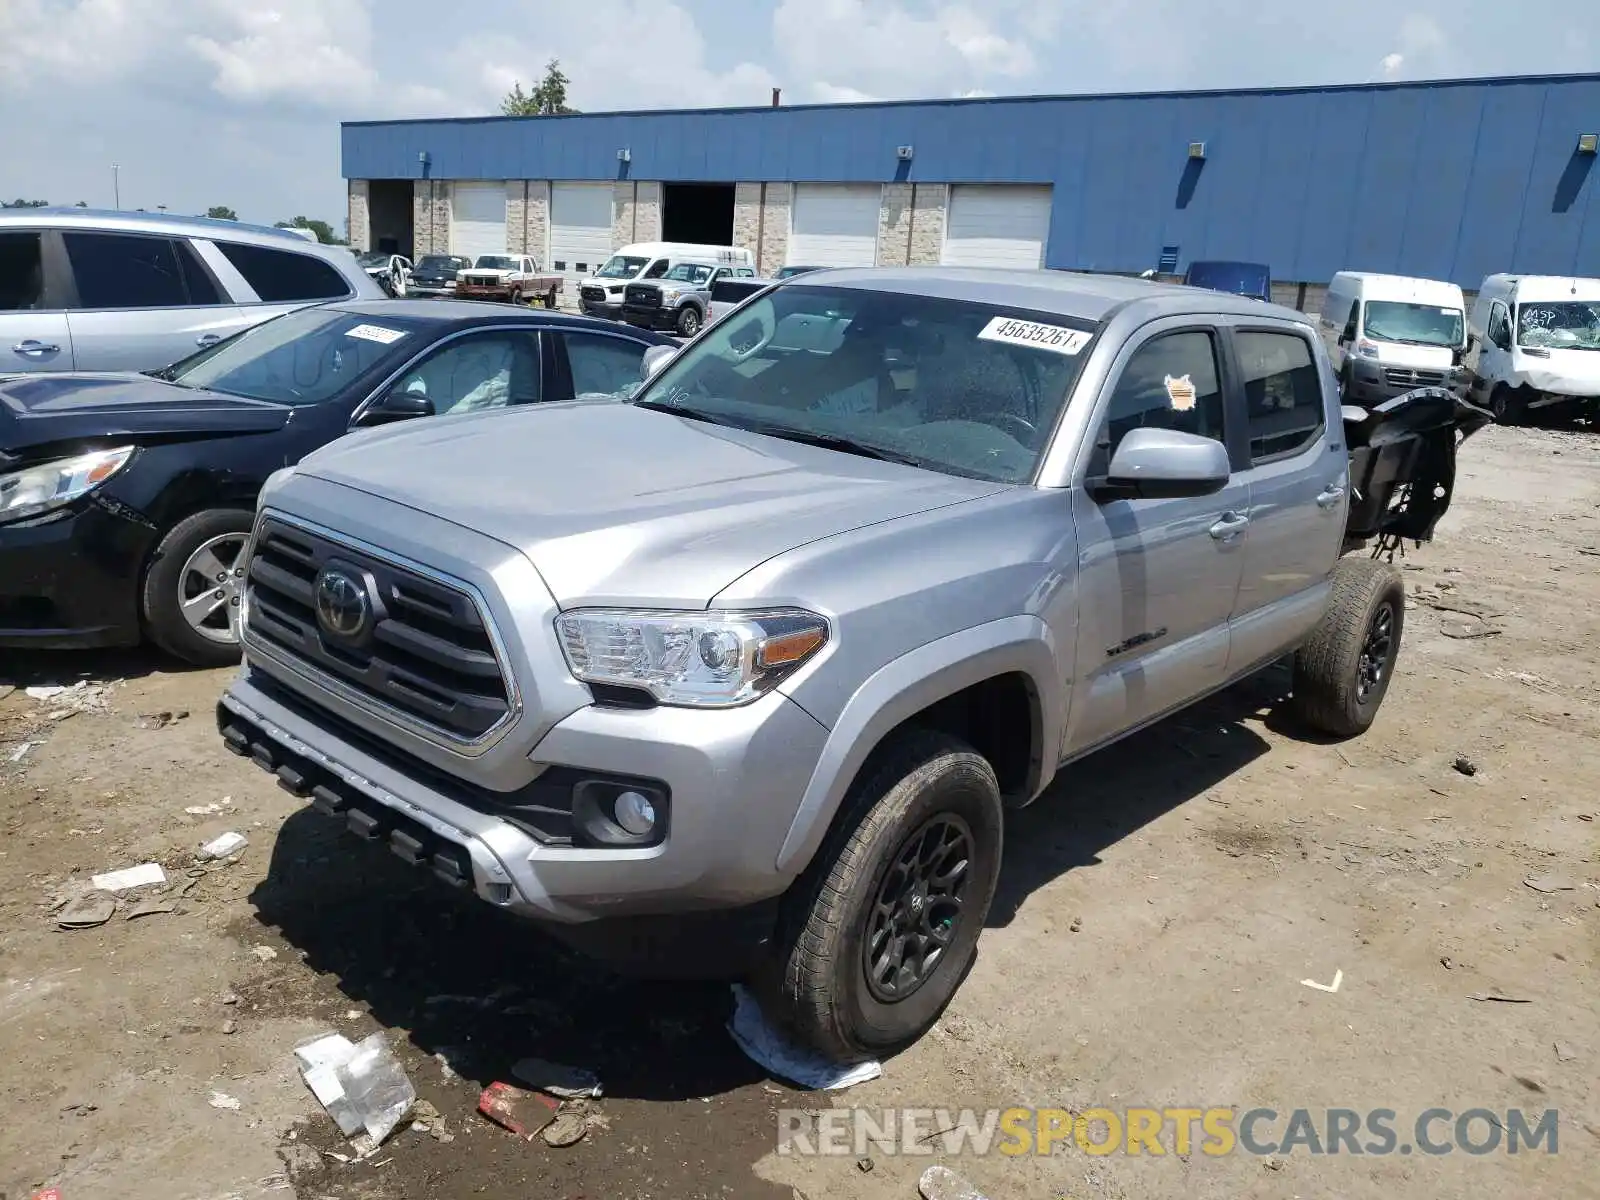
[(209, 587), (194, 587)]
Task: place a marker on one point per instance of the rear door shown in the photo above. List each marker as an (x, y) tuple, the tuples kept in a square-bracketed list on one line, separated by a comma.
[(270, 281), (141, 301), (1157, 579), (1298, 478), (34, 334), (594, 363)]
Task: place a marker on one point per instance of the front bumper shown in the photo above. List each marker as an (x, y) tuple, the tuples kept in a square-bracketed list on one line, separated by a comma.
[(649, 318), (734, 780), (1371, 382), (610, 309), (465, 291), (430, 289), (70, 580)]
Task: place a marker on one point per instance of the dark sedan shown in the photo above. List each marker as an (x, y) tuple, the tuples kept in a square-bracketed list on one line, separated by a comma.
[(126, 500)]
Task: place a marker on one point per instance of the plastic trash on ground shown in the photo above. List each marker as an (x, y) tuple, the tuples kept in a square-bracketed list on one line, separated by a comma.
[(523, 1112), (941, 1183), (362, 1086), (129, 877), (570, 1083), (771, 1049), (223, 845)]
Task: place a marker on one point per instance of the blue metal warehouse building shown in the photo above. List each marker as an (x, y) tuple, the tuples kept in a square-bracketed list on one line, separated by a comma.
[(1450, 180)]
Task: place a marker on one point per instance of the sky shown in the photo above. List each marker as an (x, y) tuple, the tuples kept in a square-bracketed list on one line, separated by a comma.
[(238, 102)]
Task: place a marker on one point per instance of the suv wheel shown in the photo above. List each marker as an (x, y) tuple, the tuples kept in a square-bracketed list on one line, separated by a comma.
[(192, 587), (878, 933), (688, 322), (1342, 672)]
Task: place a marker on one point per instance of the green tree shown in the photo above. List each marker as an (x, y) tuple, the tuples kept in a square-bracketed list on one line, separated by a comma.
[(548, 98), (221, 212), (322, 229), (20, 203)]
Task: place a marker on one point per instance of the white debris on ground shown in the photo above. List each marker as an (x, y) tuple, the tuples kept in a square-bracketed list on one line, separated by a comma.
[(767, 1046)]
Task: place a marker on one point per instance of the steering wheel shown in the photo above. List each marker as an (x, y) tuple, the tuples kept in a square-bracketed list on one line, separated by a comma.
[(1008, 422), (766, 325)]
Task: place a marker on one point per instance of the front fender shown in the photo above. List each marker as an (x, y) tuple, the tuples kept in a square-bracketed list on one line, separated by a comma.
[(904, 687)]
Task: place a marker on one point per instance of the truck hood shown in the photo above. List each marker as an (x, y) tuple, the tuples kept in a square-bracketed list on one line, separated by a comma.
[(45, 410), (1403, 354), (1561, 372), (618, 505)]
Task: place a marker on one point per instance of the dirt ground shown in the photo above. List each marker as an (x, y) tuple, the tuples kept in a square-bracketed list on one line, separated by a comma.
[(1158, 913)]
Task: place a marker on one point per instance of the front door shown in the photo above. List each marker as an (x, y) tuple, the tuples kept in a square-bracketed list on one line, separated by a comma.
[(1298, 477), (1494, 354), (33, 328), (1157, 578)]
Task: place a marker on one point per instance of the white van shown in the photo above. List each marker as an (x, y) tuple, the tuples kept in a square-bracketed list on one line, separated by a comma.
[(1535, 347), (601, 294), (1390, 334)]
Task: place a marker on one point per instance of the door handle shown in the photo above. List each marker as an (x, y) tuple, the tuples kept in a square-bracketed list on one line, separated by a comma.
[(208, 339), (29, 346), (1329, 496), (1229, 526)]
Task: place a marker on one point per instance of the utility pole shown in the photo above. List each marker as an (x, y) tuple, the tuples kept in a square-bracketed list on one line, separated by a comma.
[(116, 187)]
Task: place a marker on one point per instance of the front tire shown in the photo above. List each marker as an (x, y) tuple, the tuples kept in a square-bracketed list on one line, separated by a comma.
[(1342, 672), (515, 297), (192, 586), (688, 322), (878, 933), (1507, 406)]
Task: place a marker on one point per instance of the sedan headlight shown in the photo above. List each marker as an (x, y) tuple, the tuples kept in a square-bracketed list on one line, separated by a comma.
[(693, 659), (35, 490)]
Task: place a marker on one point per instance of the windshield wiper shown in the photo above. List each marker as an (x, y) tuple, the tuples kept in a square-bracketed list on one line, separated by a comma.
[(834, 441), (693, 414)]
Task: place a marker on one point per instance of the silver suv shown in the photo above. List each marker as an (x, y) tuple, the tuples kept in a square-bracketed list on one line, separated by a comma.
[(82, 290), (757, 658)]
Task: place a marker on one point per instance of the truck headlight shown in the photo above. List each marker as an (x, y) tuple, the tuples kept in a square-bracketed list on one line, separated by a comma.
[(615, 291), (692, 659), (670, 293), (39, 489)]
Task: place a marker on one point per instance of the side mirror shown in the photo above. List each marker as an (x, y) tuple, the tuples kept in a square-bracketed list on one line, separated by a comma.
[(397, 406), (655, 358), (1163, 464)]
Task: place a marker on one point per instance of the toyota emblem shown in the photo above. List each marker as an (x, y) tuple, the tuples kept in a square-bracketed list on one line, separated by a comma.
[(343, 608)]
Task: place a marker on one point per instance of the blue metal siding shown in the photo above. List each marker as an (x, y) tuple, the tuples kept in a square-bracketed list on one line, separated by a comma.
[(1454, 180)]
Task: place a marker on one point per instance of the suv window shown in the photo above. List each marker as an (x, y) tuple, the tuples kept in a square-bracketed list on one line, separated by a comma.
[(603, 365), (488, 370), (21, 271), (118, 270), (1171, 382), (281, 275), (1282, 393)]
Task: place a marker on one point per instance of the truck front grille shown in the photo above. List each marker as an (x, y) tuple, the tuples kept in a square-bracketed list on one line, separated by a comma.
[(425, 653), (1409, 378), (594, 293), (481, 280), (644, 297)]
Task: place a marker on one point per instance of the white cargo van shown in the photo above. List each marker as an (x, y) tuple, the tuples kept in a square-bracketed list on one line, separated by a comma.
[(601, 294), (1389, 334), (1535, 347)]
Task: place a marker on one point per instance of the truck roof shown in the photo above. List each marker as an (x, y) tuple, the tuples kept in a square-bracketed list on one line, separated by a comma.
[(1405, 288), (1546, 287), (1086, 297)]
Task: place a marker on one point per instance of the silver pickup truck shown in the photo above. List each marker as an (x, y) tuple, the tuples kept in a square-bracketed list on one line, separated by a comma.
[(742, 673)]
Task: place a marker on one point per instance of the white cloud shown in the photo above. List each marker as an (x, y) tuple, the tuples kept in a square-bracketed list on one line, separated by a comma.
[(832, 93), (1391, 64)]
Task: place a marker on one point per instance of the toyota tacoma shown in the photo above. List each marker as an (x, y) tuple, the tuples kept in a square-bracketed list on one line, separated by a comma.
[(742, 672)]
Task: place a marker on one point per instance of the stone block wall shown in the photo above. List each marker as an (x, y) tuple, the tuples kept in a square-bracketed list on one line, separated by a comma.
[(358, 213), (930, 203), (775, 228), (747, 216), (894, 225), (517, 217), (624, 213), (647, 212)]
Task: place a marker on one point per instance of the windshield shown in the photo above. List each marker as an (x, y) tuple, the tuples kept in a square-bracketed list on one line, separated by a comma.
[(950, 385), (495, 262), (1242, 279), (441, 262), (695, 273), (621, 266), (373, 259), (1413, 324), (1559, 325), (305, 357)]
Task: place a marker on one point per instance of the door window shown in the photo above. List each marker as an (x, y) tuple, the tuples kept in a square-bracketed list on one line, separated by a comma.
[(1349, 334), (1499, 326), (604, 365), (1282, 391), (116, 270), (21, 272), (488, 370), (656, 269), (1171, 382), (281, 275)]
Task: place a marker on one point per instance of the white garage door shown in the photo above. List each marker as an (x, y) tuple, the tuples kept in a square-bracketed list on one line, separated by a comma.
[(996, 226), (834, 225), (580, 230), (478, 219)]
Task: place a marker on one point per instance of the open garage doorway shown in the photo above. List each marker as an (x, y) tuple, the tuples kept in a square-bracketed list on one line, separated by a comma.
[(697, 212), (389, 217)]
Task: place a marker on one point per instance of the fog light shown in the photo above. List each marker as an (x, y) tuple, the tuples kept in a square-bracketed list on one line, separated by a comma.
[(635, 813)]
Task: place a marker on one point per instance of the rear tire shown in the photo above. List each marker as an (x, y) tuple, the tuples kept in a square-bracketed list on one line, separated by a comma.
[(196, 570), (878, 933), (1342, 672)]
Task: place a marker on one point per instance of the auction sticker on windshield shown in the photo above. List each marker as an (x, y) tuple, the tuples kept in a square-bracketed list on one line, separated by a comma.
[(376, 333), (1031, 333)]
